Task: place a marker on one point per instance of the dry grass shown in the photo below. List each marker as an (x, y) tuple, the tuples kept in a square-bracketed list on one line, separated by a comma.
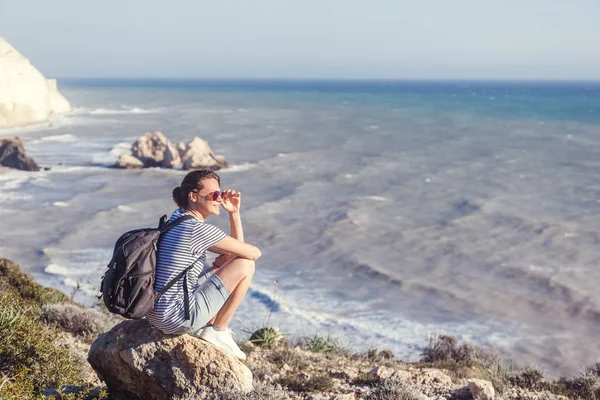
[(79, 321), (446, 348), (530, 378), (392, 389), (298, 383), (585, 386), (464, 360), (261, 392), (285, 355)]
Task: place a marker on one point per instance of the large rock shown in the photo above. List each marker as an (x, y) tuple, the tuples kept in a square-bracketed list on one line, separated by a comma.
[(481, 389), (139, 362), (154, 150), (129, 162), (199, 155), (171, 158), (12, 155), (26, 97), (150, 148)]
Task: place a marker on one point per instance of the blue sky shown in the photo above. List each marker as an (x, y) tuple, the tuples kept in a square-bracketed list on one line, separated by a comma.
[(463, 39)]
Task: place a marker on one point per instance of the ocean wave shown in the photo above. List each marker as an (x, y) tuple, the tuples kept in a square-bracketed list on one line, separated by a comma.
[(12, 197), (55, 269), (65, 169), (404, 336), (377, 198), (110, 158), (238, 168), (106, 111), (40, 126), (66, 138), (126, 209), (14, 183), (83, 262)]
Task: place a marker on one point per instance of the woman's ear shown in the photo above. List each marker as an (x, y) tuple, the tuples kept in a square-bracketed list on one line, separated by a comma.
[(193, 197)]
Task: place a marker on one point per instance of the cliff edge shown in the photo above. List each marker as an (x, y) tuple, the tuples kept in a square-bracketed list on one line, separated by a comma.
[(26, 97)]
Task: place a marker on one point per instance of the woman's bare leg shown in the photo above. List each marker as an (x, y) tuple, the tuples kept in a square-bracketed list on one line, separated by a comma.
[(236, 275)]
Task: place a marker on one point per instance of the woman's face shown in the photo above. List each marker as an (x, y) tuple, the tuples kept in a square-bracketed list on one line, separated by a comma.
[(208, 200)]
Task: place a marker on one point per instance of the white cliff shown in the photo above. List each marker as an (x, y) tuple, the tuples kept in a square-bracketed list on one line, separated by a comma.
[(26, 97)]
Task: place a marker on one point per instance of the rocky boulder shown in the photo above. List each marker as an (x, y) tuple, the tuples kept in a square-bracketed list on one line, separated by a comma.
[(129, 162), (150, 149), (12, 155), (26, 97), (481, 390), (154, 150), (138, 362), (199, 155)]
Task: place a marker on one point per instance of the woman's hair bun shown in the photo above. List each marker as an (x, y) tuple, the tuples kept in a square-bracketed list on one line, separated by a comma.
[(177, 197)]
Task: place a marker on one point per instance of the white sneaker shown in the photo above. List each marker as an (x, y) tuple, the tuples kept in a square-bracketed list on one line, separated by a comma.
[(222, 340)]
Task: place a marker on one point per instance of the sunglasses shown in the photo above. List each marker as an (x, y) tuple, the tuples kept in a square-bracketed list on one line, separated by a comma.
[(214, 196)]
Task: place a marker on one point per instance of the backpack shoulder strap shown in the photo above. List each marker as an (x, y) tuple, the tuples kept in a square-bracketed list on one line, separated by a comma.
[(174, 223), (183, 273)]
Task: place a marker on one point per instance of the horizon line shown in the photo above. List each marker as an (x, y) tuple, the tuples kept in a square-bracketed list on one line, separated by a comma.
[(308, 79)]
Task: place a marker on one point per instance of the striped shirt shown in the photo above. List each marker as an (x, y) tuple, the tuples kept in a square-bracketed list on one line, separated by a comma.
[(181, 246)]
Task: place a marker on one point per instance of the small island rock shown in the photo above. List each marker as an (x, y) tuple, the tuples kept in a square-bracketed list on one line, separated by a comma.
[(12, 155), (154, 150)]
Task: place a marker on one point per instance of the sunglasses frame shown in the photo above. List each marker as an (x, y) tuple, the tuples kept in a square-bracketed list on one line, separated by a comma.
[(214, 196)]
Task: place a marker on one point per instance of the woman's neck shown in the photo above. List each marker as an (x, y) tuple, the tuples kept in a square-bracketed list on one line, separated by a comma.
[(195, 213)]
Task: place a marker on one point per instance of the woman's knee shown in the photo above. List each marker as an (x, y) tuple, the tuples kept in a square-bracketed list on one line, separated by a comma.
[(242, 268), (249, 267)]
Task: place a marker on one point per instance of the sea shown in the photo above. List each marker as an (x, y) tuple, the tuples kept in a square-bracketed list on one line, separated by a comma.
[(387, 212)]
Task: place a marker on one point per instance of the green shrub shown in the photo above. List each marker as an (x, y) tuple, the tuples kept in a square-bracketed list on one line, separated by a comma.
[(266, 336), (26, 287), (77, 393), (324, 344), (30, 361)]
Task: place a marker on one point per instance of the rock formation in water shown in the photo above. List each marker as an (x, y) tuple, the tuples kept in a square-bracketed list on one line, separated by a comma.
[(12, 155), (154, 150), (26, 97)]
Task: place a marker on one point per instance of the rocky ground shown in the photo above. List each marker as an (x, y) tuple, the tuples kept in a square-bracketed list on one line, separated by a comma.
[(45, 339)]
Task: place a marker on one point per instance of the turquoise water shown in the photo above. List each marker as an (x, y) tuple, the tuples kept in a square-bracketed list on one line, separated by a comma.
[(385, 211), (570, 101)]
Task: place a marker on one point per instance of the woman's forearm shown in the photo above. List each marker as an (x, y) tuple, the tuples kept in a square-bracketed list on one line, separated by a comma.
[(235, 223)]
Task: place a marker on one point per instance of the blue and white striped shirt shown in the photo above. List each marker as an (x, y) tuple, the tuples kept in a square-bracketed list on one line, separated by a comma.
[(178, 249)]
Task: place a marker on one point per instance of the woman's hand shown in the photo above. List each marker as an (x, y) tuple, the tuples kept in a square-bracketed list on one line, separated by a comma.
[(222, 260), (232, 201)]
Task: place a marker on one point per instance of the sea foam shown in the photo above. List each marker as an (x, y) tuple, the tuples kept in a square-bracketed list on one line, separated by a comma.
[(106, 111)]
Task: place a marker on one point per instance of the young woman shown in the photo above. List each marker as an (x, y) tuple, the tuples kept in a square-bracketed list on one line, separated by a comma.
[(214, 293)]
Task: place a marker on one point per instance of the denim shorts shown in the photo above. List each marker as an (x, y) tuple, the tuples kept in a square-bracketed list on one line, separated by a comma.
[(210, 297)]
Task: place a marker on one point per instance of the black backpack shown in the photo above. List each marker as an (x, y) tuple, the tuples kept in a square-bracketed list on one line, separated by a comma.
[(128, 285)]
